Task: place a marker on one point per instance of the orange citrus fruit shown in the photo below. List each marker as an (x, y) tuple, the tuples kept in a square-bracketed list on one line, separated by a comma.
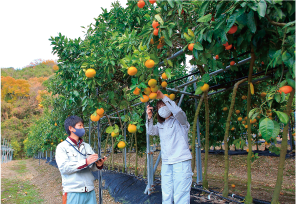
[(217, 57), (132, 128), (152, 1), (132, 71), (155, 24), (263, 94), (237, 111), (95, 118), (159, 46), (152, 82), (285, 89), (246, 126), (121, 145), (232, 30), (147, 91), (144, 99), (205, 87), (155, 32), (228, 47), (90, 73), (152, 41), (232, 185), (244, 122), (100, 111), (113, 134), (226, 44), (141, 4), (232, 63), (225, 109), (164, 76), (153, 95), (239, 118), (137, 91), (190, 46), (149, 63), (154, 89), (164, 84), (172, 96)]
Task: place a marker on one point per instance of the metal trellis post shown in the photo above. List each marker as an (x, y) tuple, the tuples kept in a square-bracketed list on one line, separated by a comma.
[(89, 131), (100, 172)]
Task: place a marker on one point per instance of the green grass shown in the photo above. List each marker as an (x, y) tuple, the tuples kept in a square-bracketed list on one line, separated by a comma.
[(18, 191), (14, 192), (20, 167)]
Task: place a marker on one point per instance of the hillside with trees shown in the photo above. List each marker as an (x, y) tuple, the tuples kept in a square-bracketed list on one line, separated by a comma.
[(22, 92)]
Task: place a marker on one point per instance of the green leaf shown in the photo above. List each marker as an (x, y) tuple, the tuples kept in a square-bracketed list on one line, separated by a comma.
[(171, 2), (283, 95), (109, 129), (277, 97), (276, 129), (253, 111), (266, 127), (283, 117), (283, 83), (168, 73), (147, 16), (188, 38), (203, 8), (251, 22), (205, 78), (195, 53), (289, 24), (198, 46), (143, 85), (261, 9), (291, 83), (198, 91), (230, 22), (159, 19), (168, 41), (190, 32), (205, 18), (170, 63)]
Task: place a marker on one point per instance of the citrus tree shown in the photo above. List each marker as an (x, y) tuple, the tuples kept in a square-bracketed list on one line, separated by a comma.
[(117, 64)]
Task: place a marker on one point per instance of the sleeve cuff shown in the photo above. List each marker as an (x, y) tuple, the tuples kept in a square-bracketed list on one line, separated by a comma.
[(165, 99), (84, 164), (100, 166)]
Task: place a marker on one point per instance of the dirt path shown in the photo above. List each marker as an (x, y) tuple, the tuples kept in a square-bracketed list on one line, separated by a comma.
[(45, 178)]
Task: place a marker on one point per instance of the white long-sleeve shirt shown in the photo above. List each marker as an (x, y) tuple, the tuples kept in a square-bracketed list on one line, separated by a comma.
[(173, 133)]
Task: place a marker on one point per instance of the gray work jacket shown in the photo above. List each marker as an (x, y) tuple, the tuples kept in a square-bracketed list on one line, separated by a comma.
[(68, 161), (173, 133)]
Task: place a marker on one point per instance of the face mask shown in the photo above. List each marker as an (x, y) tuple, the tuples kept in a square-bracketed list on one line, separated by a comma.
[(79, 132), (164, 112)]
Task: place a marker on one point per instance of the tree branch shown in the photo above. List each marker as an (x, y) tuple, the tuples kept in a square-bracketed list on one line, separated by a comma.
[(273, 22)]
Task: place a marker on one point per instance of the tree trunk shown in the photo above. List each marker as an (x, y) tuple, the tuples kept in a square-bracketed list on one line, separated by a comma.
[(194, 134), (279, 181), (226, 158), (145, 169), (205, 176), (112, 154), (136, 170), (249, 198)]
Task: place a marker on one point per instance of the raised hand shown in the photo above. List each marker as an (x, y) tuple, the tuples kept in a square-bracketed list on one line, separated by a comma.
[(159, 95), (149, 111)]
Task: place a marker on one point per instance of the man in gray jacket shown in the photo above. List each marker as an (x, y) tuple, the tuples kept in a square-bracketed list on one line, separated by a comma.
[(172, 128), (76, 160)]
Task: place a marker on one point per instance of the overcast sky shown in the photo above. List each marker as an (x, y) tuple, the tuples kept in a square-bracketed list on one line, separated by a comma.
[(27, 25)]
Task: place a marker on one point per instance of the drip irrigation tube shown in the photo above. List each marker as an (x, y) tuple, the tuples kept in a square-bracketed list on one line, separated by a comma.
[(255, 201), (215, 194)]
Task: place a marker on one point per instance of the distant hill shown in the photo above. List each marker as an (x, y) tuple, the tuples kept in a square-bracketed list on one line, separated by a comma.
[(41, 70), (21, 92)]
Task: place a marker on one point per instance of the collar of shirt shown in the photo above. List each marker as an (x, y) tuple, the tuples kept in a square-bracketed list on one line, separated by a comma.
[(74, 141)]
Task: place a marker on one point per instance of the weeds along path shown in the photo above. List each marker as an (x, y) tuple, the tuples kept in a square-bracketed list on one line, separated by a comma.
[(24, 181), (16, 186)]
